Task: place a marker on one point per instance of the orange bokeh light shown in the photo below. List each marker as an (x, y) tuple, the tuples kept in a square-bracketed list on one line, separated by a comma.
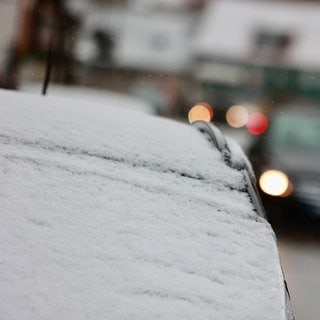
[(201, 111), (237, 116), (257, 123)]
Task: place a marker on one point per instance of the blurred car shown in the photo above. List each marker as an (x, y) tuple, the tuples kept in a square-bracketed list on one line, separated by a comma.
[(108, 213), (286, 160)]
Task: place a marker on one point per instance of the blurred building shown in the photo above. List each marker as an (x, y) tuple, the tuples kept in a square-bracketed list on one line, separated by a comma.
[(170, 53), (135, 46), (141, 47), (258, 51)]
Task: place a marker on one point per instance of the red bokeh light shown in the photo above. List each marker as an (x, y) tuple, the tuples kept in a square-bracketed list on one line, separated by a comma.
[(257, 123)]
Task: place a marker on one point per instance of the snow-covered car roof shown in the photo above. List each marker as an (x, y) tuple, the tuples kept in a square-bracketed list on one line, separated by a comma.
[(108, 213), (100, 96)]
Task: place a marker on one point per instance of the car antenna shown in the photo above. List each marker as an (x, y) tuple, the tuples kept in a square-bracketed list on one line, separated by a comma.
[(50, 58)]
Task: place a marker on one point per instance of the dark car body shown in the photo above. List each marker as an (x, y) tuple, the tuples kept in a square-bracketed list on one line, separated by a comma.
[(291, 145)]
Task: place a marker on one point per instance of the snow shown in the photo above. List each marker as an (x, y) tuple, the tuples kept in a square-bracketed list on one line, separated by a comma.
[(100, 96), (108, 213)]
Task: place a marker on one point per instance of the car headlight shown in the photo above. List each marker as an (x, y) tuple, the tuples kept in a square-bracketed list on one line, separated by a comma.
[(275, 183)]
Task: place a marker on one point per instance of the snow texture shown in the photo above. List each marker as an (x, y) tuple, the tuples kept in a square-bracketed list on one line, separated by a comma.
[(100, 96), (114, 214)]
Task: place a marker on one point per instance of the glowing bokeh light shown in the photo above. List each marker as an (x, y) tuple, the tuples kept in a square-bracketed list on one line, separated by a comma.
[(257, 123), (201, 111), (237, 116), (275, 183)]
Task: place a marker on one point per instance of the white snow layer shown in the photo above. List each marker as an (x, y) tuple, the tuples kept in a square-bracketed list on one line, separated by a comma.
[(83, 93), (111, 214)]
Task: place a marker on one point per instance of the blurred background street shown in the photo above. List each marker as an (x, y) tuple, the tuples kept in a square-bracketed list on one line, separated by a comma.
[(300, 259), (256, 62)]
